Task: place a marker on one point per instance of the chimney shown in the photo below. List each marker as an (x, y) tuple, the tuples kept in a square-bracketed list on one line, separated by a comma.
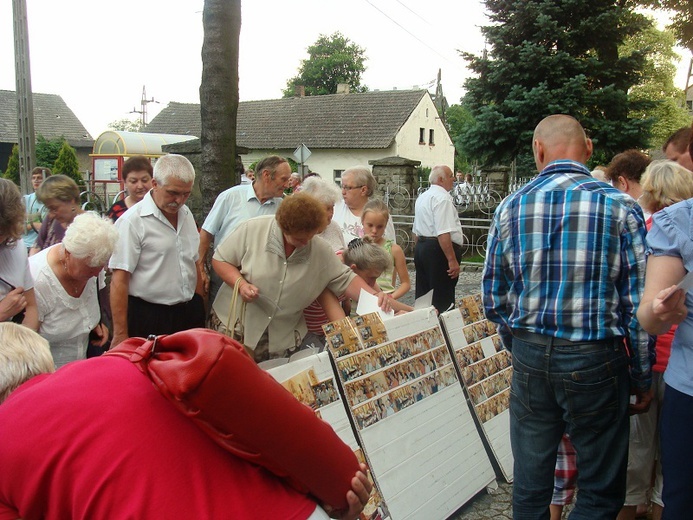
[(300, 91), (342, 88)]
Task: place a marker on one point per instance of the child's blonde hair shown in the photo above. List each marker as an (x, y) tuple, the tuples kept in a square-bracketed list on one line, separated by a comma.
[(375, 206)]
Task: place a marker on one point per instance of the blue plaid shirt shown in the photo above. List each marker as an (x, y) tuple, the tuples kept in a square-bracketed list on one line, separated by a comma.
[(566, 258)]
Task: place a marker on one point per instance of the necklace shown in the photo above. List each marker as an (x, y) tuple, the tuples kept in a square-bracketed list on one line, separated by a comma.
[(74, 289)]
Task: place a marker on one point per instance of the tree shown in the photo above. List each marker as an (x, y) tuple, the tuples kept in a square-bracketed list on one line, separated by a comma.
[(47, 150), (459, 119), (67, 164), (554, 57), (221, 20), (682, 19), (332, 60), (126, 125), (657, 83), (12, 171)]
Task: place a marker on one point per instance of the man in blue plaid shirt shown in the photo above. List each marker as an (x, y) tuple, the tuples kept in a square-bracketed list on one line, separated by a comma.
[(563, 276)]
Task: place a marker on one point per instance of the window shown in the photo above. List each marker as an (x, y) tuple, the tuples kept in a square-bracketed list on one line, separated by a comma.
[(422, 136), (431, 141), (337, 174)]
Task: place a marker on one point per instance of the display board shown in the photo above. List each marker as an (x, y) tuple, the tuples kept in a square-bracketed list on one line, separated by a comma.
[(409, 411), (486, 372)]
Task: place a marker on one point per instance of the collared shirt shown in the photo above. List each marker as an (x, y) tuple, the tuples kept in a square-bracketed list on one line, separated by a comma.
[(286, 285), (435, 214), (234, 206), (34, 208), (672, 235), (160, 258), (566, 258)]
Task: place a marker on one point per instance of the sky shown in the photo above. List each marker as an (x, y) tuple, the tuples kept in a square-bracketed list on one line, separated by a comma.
[(98, 56)]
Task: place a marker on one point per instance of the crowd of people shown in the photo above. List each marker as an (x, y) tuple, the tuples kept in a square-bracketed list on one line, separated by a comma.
[(580, 275), (578, 288)]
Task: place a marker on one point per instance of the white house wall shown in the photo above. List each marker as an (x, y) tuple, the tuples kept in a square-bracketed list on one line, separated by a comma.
[(326, 161), (425, 116)]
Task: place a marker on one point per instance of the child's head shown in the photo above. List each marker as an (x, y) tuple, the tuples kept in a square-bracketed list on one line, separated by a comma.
[(366, 259), (374, 218)]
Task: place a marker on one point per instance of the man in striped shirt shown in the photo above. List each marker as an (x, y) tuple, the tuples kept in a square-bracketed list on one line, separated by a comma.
[(562, 279)]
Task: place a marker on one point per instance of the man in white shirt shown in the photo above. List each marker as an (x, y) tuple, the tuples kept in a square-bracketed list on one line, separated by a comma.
[(240, 203), (154, 271), (439, 240)]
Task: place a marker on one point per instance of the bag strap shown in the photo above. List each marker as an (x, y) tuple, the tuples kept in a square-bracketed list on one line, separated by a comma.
[(235, 308)]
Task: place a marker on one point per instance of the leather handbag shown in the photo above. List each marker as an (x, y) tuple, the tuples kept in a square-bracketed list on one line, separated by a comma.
[(211, 379)]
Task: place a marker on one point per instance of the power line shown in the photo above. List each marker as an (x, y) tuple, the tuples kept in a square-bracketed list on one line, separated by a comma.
[(405, 29), (413, 12)]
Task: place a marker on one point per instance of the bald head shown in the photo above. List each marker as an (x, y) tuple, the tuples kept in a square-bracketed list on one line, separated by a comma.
[(442, 176), (560, 137)]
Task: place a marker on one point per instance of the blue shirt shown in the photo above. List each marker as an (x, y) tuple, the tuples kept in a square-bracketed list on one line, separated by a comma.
[(672, 235), (566, 258), (234, 206)]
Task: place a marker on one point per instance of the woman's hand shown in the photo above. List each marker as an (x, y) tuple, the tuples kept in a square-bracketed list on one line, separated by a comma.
[(669, 306), (357, 497), (100, 335), (384, 301), (248, 291), (13, 303)]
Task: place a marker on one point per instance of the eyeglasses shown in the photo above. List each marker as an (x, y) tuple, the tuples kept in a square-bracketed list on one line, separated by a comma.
[(347, 188)]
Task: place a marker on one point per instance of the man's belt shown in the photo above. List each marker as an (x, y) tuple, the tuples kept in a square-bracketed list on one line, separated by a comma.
[(543, 339)]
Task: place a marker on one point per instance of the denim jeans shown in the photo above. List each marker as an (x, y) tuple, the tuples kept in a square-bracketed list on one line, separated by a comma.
[(583, 390)]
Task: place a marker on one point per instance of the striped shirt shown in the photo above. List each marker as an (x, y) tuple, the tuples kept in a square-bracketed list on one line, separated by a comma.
[(566, 258)]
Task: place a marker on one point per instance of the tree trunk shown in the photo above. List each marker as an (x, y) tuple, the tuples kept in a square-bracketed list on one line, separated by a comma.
[(221, 20)]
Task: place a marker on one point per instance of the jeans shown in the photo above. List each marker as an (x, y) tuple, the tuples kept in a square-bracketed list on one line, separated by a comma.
[(677, 455), (581, 389)]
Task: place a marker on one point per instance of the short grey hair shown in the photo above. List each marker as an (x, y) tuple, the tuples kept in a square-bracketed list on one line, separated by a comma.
[(90, 236), (365, 255), (326, 192), (363, 177), (173, 166), (23, 355), (437, 173)]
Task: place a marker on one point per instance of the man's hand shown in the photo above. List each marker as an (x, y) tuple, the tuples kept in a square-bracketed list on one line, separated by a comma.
[(642, 401), (453, 268), (357, 497), (13, 303)]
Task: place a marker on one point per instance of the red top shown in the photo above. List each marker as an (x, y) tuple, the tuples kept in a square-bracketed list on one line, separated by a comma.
[(97, 440), (663, 344)]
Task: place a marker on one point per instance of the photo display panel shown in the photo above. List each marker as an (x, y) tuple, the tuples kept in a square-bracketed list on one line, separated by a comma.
[(486, 369), (410, 413)]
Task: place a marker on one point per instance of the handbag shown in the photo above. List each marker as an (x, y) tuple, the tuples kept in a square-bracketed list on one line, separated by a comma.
[(236, 315), (211, 379)]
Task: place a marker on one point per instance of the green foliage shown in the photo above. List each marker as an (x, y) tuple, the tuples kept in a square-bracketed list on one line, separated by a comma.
[(67, 164), (682, 18), (47, 150), (126, 125), (332, 60), (656, 87), (459, 118), (554, 57), (12, 171)]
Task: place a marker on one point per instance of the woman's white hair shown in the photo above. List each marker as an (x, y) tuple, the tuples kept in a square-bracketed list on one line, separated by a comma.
[(173, 166), (326, 192), (23, 355), (90, 236)]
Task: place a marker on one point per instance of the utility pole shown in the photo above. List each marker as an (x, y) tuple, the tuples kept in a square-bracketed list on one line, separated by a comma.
[(25, 101), (143, 110)]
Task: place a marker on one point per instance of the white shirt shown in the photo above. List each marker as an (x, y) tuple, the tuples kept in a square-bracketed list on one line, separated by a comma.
[(160, 259), (14, 268), (351, 225), (234, 206), (435, 214), (65, 321)]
